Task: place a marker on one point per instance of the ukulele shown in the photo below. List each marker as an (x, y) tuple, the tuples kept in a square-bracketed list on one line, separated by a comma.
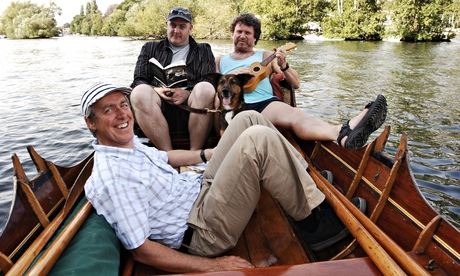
[(259, 69)]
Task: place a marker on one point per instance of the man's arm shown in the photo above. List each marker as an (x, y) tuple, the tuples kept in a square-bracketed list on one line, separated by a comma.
[(140, 71), (218, 64), (167, 259), (291, 75), (177, 158)]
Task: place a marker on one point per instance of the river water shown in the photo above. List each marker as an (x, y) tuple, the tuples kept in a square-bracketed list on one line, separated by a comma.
[(41, 82)]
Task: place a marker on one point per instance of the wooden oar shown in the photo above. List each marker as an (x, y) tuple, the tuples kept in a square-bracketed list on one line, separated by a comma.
[(52, 253), (34, 249), (340, 203), (374, 250)]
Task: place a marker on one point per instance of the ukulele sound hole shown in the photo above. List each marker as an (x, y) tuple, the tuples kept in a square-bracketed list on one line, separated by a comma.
[(256, 69)]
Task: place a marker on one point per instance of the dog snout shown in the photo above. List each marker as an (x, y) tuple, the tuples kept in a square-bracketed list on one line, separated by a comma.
[(226, 93)]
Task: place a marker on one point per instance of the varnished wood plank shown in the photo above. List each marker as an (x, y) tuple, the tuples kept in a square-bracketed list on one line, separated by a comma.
[(277, 230), (5, 263), (37, 159), (381, 141), (355, 267), (400, 154), (361, 168), (259, 251), (427, 235), (58, 179), (241, 249), (33, 201)]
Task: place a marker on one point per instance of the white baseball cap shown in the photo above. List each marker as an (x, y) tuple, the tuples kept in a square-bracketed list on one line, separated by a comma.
[(96, 92)]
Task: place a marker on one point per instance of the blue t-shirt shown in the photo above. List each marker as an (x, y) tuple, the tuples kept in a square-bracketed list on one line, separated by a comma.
[(263, 90)]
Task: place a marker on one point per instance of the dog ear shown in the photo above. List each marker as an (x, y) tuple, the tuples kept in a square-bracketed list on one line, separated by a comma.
[(244, 78), (213, 78)]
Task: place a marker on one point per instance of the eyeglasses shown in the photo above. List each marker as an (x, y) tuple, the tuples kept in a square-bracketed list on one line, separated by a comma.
[(180, 12)]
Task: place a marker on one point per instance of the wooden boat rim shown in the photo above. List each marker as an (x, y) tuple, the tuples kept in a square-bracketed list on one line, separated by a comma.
[(395, 204), (13, 201)]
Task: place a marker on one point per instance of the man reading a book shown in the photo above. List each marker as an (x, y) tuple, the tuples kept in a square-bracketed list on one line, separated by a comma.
[(169, 74)]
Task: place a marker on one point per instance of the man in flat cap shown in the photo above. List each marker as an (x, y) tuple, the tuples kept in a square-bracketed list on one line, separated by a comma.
[(154, 104)]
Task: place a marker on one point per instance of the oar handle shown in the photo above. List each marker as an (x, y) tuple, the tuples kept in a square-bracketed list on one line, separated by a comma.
[(339, 200), (374, 250)]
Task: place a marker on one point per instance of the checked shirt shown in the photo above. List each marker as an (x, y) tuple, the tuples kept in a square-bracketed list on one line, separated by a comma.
[(140, 195)]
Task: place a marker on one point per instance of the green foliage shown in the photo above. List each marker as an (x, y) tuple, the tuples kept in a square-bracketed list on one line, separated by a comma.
[(411, 20), (420, 20), (113, 23), (213, 18), (284, 19), (27, 20), (360, 21)]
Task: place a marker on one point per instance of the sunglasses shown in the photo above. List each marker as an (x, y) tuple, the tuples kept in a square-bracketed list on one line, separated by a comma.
[(180, 12)]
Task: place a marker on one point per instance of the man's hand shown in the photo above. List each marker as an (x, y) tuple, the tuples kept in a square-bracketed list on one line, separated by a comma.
[(168, 259), (231, 263), (281, 58), (173, 95), (179, 96)]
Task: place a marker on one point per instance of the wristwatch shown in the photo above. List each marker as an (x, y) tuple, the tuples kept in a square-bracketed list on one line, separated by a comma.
[(203, 156), (285, 68)]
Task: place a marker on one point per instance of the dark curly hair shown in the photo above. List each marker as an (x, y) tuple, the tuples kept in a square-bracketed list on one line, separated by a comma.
[(248, 19)]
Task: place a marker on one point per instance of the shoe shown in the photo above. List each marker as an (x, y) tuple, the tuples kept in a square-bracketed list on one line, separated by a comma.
[(372, 120), (322, 228)]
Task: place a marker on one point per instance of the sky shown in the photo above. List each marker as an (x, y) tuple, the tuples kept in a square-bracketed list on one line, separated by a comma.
[(70, 8)]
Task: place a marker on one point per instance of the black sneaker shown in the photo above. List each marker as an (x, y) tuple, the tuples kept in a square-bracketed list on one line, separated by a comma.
[(322, 228)]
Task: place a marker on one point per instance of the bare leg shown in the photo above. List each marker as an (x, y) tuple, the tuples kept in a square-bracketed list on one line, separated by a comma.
[(199, 125), (147, 108), (304, 126)]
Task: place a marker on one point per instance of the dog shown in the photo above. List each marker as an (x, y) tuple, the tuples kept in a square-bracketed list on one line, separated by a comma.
[(229, 90)]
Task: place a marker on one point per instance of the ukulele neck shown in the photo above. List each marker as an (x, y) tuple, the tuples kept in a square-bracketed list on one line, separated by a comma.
[(267, 60)]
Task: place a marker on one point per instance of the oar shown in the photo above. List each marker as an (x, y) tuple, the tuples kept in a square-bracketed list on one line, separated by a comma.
[(340, 202), (52, 253), (34, 249), (374, 250)]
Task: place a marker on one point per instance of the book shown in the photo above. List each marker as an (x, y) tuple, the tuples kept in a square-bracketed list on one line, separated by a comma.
[(172, 76)]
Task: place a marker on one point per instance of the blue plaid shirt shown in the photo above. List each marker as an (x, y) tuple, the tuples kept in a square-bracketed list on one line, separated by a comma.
[(140, 195)]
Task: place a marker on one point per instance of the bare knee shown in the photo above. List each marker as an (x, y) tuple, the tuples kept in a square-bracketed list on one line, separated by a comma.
[(143, 98), (203, 94)]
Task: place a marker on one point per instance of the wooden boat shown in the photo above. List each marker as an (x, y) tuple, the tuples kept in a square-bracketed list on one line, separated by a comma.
[(399, 233)]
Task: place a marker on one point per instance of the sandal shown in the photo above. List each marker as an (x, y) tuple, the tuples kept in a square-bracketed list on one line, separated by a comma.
[(374, 118)]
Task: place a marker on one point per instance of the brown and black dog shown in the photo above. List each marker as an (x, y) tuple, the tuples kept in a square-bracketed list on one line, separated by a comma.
[(229, 89)]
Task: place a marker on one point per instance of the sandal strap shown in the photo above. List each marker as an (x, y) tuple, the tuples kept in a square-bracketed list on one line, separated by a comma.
[(368, 105), (344, 131)]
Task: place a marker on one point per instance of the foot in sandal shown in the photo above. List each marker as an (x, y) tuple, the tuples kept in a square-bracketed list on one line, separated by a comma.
[(355, 132)]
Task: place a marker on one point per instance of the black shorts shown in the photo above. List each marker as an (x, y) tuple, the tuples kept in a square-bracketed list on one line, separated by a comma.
[(260, 106)]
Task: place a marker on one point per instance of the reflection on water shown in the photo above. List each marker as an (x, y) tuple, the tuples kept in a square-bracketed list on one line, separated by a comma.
[(42, 81)]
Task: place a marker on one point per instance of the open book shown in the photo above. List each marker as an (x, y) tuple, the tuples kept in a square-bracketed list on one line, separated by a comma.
[(172, 76)]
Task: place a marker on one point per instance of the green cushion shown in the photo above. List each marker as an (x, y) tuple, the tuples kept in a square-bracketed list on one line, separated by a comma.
[(95, 250)]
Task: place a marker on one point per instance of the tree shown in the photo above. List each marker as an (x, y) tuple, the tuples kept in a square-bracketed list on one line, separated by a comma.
[(89, 21), (281, 19), (212, 22), (27, 20), (420, 20), (355, 20)]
